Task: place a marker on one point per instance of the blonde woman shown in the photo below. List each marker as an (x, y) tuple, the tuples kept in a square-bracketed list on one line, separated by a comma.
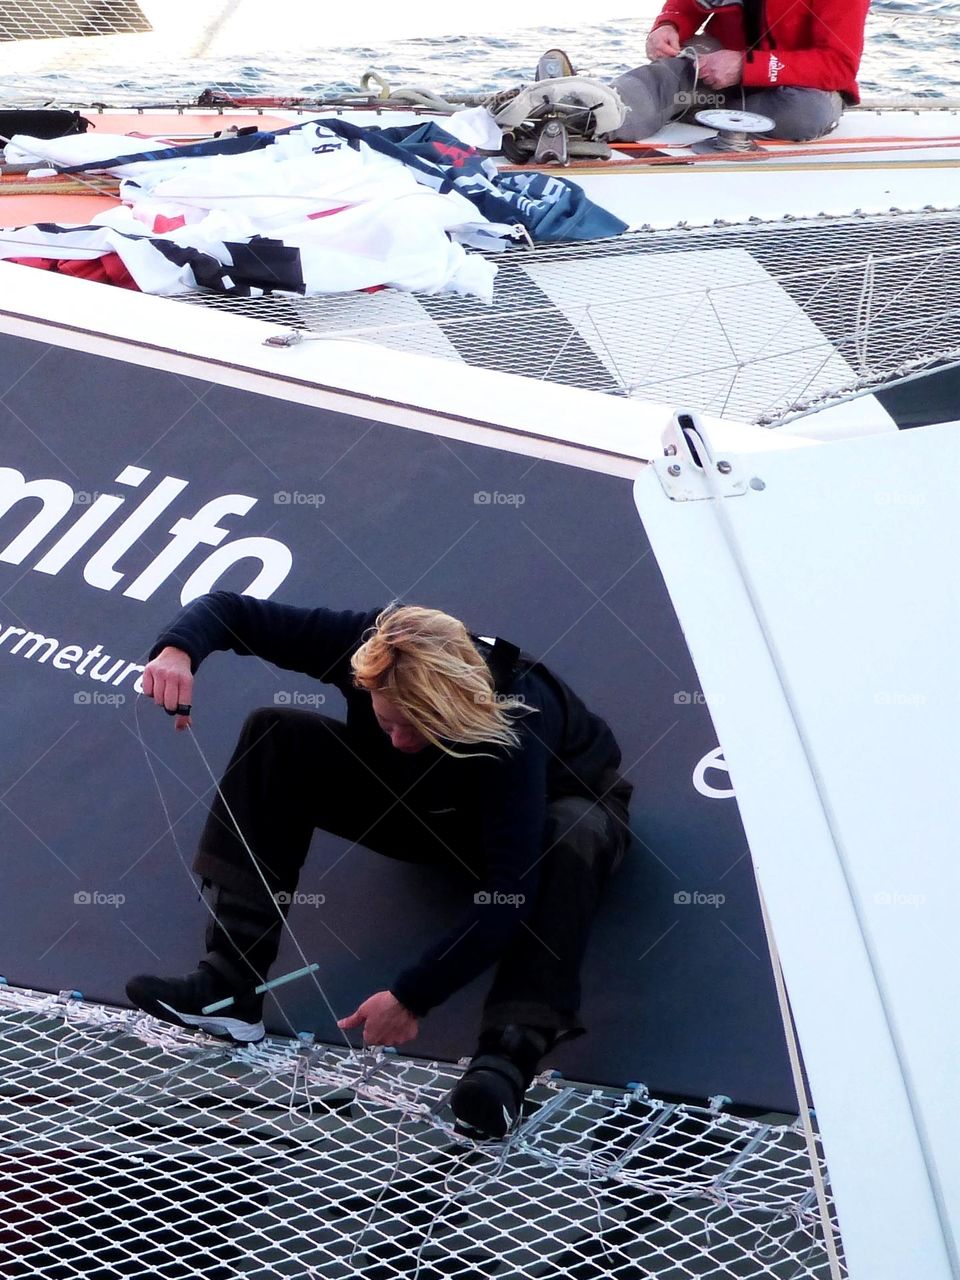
[(456, 751)]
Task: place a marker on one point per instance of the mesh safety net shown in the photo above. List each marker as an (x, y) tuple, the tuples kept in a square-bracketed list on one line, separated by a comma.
[(131, 1148), (760, 321)]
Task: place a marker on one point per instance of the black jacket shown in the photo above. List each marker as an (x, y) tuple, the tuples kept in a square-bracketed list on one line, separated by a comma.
[(501, 794)]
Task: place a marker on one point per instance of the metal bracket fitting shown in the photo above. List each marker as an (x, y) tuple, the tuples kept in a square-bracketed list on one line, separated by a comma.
[(690, 469)]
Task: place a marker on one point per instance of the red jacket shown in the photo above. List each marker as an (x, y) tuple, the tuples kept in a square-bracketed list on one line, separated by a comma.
[(814, 44)]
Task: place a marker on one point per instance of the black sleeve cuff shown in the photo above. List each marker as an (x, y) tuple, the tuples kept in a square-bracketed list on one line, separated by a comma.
[(170, 638), (408, 991)]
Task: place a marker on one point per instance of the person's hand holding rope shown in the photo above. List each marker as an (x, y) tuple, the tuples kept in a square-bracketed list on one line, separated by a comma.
[(664, 42), (168, 680), (721, 69)]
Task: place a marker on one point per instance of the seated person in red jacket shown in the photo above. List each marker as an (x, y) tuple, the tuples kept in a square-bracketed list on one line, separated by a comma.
[(456, 751), (795, 61)]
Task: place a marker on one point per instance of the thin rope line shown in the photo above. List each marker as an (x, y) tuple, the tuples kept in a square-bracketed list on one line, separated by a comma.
[(176, 843), (210, 910), (285, 923)]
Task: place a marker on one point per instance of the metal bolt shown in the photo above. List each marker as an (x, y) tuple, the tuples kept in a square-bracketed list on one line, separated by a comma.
[(673, 470), (670, 450), (757, 483), (724, 468)]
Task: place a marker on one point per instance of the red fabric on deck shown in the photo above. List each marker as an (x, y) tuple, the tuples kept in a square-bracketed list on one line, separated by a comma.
[(107, 269)]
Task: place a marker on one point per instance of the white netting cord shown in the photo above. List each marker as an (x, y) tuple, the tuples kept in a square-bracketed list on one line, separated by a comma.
[(130, 1148), (727, 334)]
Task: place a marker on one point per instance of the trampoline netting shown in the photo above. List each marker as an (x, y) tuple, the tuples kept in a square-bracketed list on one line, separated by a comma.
[(131, 1149), (762, 322)]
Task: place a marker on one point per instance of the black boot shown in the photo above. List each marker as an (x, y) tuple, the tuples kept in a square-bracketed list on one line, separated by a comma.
[(489, 1094), (182, 1001), (242, 942)]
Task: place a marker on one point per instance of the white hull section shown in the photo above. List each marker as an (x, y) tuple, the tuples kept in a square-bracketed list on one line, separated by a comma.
[(825, 634)]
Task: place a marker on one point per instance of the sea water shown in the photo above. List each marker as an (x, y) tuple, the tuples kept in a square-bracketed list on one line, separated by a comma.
[(912, 49)]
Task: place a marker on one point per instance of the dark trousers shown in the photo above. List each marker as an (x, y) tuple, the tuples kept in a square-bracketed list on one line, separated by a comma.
[(295, 771)]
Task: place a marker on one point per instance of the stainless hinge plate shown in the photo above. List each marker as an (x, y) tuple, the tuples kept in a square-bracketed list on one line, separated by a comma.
[(689, 470)]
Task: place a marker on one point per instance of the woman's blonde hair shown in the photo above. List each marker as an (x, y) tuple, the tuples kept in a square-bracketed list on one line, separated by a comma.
[(426, 664)]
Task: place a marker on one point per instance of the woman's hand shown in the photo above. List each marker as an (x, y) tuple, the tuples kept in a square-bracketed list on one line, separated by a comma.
[(168, 680), (384, 1020)]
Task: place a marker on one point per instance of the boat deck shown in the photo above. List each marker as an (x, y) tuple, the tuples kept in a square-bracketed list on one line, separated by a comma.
[(876, 160), (850, 244)]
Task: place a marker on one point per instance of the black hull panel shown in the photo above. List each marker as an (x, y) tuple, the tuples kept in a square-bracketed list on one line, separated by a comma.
[(678, 988)]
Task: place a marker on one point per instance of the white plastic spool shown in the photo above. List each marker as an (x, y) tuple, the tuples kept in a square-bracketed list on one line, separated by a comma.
[(734, 128)]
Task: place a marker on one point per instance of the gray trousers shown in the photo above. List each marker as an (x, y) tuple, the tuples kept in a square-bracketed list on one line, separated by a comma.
[(664, 90)]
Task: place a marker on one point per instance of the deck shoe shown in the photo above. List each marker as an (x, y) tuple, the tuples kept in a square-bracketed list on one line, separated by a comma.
[(488, 1097), (182, 1001), (588, 109)]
